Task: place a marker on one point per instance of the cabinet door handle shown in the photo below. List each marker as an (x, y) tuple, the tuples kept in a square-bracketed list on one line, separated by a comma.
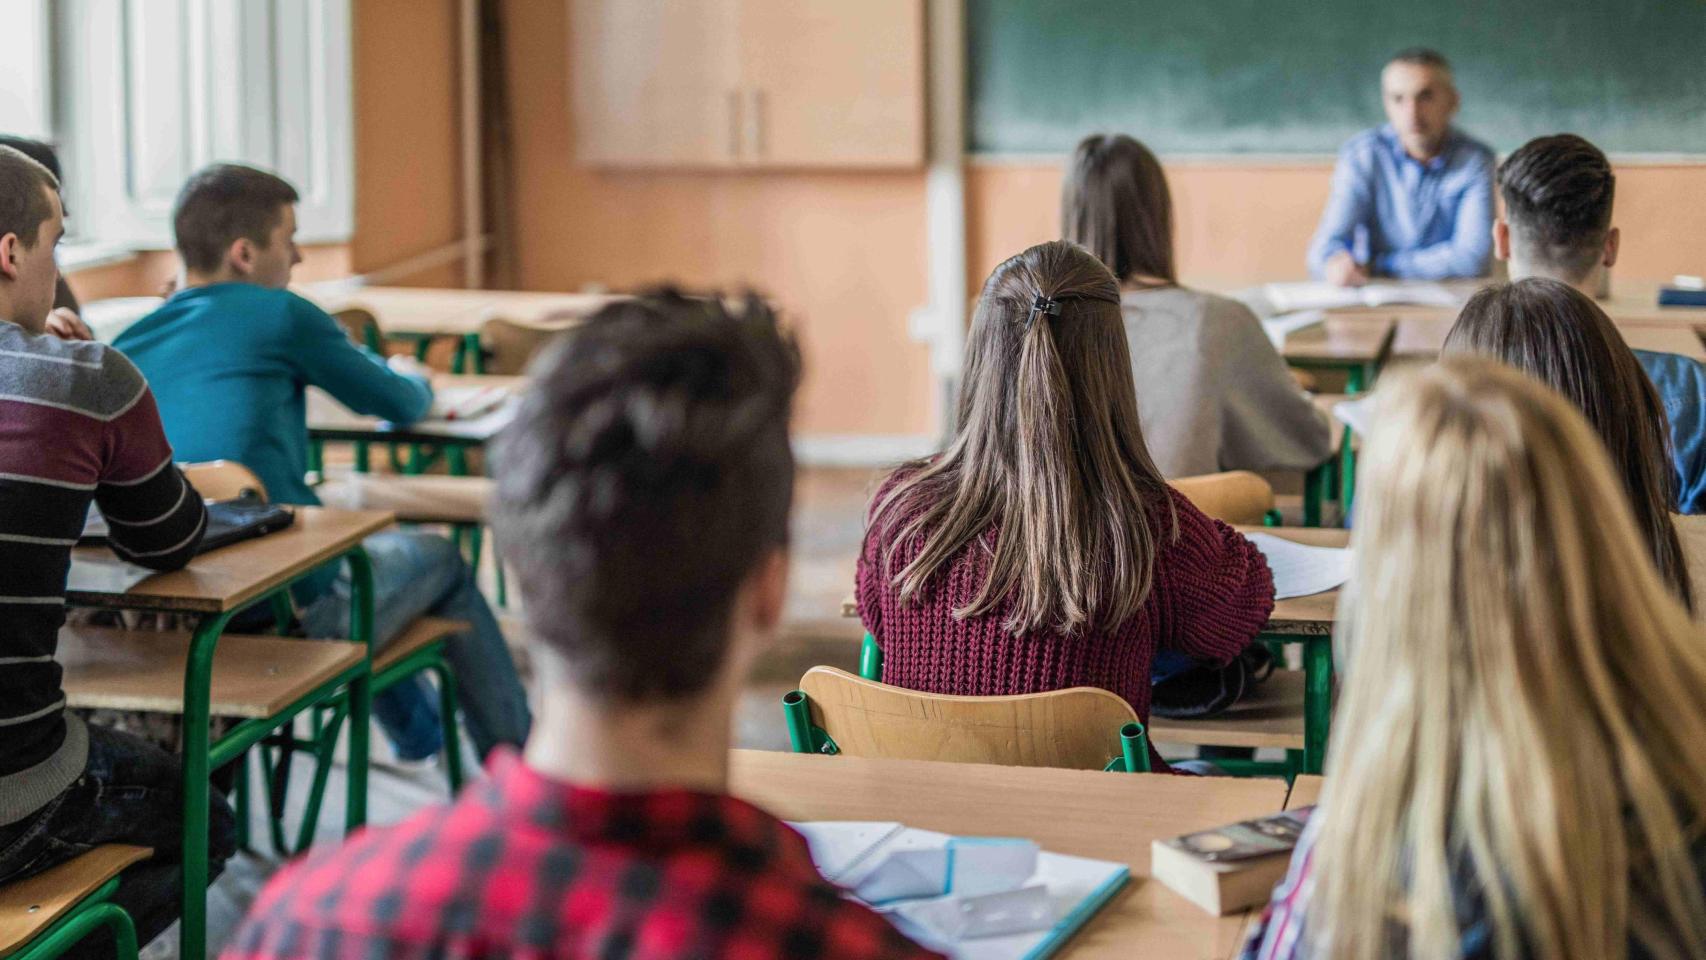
[(757, 124), (733, 98)]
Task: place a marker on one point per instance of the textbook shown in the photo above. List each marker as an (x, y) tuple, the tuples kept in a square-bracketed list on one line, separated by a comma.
[(1317, 295), (972, 898), (1681, 297), (1229, 868), (466, 403)]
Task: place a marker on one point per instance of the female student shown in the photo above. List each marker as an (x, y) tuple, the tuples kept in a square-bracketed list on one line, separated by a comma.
[(1515, 767), (1043, 550), (1213, 392), (1557, 335)]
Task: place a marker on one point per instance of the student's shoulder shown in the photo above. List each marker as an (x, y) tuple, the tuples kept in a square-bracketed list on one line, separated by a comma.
[(86, 375)]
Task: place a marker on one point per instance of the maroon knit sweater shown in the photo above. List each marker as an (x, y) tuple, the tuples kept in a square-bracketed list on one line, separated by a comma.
[(1212, 593)]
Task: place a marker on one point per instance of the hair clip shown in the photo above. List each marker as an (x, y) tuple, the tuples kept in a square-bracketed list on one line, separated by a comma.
[(1048, 305)]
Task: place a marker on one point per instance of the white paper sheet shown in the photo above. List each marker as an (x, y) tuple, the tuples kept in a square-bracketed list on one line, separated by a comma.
[(1319, 295), (1300, 570), (1356, 414)]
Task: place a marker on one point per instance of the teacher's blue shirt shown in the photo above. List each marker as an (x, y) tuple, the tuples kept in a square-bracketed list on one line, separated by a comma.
[(1681, 382), (1405, 218)]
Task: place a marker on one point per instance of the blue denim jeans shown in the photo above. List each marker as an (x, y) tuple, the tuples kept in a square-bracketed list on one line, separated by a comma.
[(419, 574), (130, 792)]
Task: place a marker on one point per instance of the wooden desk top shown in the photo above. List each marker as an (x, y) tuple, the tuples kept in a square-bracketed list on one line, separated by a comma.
[(1313, 615), (331, 420), (1343, 340), (1424, 335), (1305, 790), (227, 578), (430, 312), (1109, 816)]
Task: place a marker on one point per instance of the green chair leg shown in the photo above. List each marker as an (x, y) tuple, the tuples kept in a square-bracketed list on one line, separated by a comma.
[(240, 801), (1134, 744), (1347, 474), (317, 457), (1317, 701), (871, 659), (361, 457), (447, 714), (803, 735), (1316, 483)]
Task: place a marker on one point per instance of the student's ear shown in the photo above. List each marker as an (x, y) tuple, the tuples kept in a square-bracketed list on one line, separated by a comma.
[(240, 256), (1502, 239), (9, 245), (1613, 239)]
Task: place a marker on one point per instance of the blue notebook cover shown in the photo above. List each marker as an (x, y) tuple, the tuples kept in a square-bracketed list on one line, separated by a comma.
[(1678, 297)]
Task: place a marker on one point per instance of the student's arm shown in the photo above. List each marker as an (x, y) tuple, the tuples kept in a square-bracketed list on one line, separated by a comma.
[(1216, 587), (1350, 205), (1465, 253), (354, 376), (1267, 422), (154, 517)]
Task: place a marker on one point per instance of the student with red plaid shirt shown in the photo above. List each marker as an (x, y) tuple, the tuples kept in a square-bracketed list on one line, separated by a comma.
[(643, 499)]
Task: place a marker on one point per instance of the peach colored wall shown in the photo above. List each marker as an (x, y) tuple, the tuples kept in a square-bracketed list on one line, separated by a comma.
[(842, 253), (1240, 224), (149, 270)]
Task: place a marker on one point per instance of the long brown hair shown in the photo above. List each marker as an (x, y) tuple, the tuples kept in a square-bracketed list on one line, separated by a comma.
[(1554, 333), (1521, 713), (1115, 203), (1049, 451)]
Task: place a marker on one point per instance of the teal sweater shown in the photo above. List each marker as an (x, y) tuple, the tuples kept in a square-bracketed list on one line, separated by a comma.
[(228, 364)]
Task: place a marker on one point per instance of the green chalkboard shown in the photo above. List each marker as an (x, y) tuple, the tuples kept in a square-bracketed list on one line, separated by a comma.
[(1299, 76)]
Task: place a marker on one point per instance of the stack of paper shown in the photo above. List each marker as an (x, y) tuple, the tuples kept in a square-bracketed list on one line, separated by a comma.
[(1318, 295), (972, 898), (1300, 570)]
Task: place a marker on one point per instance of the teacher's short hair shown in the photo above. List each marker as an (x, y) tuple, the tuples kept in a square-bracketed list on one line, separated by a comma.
[(1421, 57)]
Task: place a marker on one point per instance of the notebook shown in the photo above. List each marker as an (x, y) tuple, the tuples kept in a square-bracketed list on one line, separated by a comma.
[(1317, 295), (931, 885), (228, 522), (466, 403), (1300, 570)]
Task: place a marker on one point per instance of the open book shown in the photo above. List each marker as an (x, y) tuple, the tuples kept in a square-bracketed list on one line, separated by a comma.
[(466, 403), (1318, 295), (972, 898)]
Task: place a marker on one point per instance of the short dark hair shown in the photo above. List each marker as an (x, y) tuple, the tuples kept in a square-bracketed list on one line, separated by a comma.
[(36, 150), (24, 186), (1558, 192), (646, 474), (1421, 57), (1115, 203), (224, 203)]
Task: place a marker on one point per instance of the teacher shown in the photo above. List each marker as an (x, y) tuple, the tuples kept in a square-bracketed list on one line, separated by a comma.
[(1412, 199)]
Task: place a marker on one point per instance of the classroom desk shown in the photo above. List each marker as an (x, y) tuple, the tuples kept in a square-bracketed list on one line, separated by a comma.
[(1109, 816), (213, 587), (1423, 335), (418, 311), (1305, 791), (1355, 345), (1632, 303), (331, 420)]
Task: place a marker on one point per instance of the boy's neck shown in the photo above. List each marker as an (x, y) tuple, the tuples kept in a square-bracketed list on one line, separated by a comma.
[(1588, 285), (632, 749)]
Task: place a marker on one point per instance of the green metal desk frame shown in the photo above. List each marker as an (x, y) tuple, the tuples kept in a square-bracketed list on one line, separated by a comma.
[(90, 913), (201, 757)]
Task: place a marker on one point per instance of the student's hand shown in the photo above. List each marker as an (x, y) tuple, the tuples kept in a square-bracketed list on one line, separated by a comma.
[(408, 366), (1343, 270), (65, 324)]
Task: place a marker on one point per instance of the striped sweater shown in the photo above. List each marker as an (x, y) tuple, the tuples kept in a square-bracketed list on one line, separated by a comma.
[(77, 423)]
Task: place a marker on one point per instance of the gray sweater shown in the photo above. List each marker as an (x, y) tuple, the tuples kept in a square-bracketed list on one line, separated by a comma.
[(1212, 392)]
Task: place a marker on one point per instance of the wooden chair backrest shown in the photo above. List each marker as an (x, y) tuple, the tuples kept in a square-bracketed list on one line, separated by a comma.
[(1076, 728), (31, 905), (361, 326), (1237, 496), (510, 345), (224, 480)]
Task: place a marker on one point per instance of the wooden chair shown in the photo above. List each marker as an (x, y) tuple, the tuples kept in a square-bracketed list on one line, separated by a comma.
[(1081, 728), (362, 327), (507, 346), (1237, 496), (44, 915), (456, 502)]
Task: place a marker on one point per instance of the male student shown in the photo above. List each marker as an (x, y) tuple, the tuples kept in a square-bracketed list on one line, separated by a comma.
[(77, 424), (1412, 199), (229, 355), (64, 320), (1558, 194), (643, 496)]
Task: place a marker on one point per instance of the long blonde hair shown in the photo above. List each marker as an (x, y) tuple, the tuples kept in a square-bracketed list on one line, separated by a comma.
[(1049, 450), (1525, 700)]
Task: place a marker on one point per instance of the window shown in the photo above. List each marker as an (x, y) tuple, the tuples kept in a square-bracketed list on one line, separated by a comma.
[(144, 92), (24, 105)]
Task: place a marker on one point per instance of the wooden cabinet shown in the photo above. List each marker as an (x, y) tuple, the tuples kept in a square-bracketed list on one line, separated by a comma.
[(748, 83)]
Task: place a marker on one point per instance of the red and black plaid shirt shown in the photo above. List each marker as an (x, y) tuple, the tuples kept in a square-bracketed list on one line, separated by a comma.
[(524, 866)]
